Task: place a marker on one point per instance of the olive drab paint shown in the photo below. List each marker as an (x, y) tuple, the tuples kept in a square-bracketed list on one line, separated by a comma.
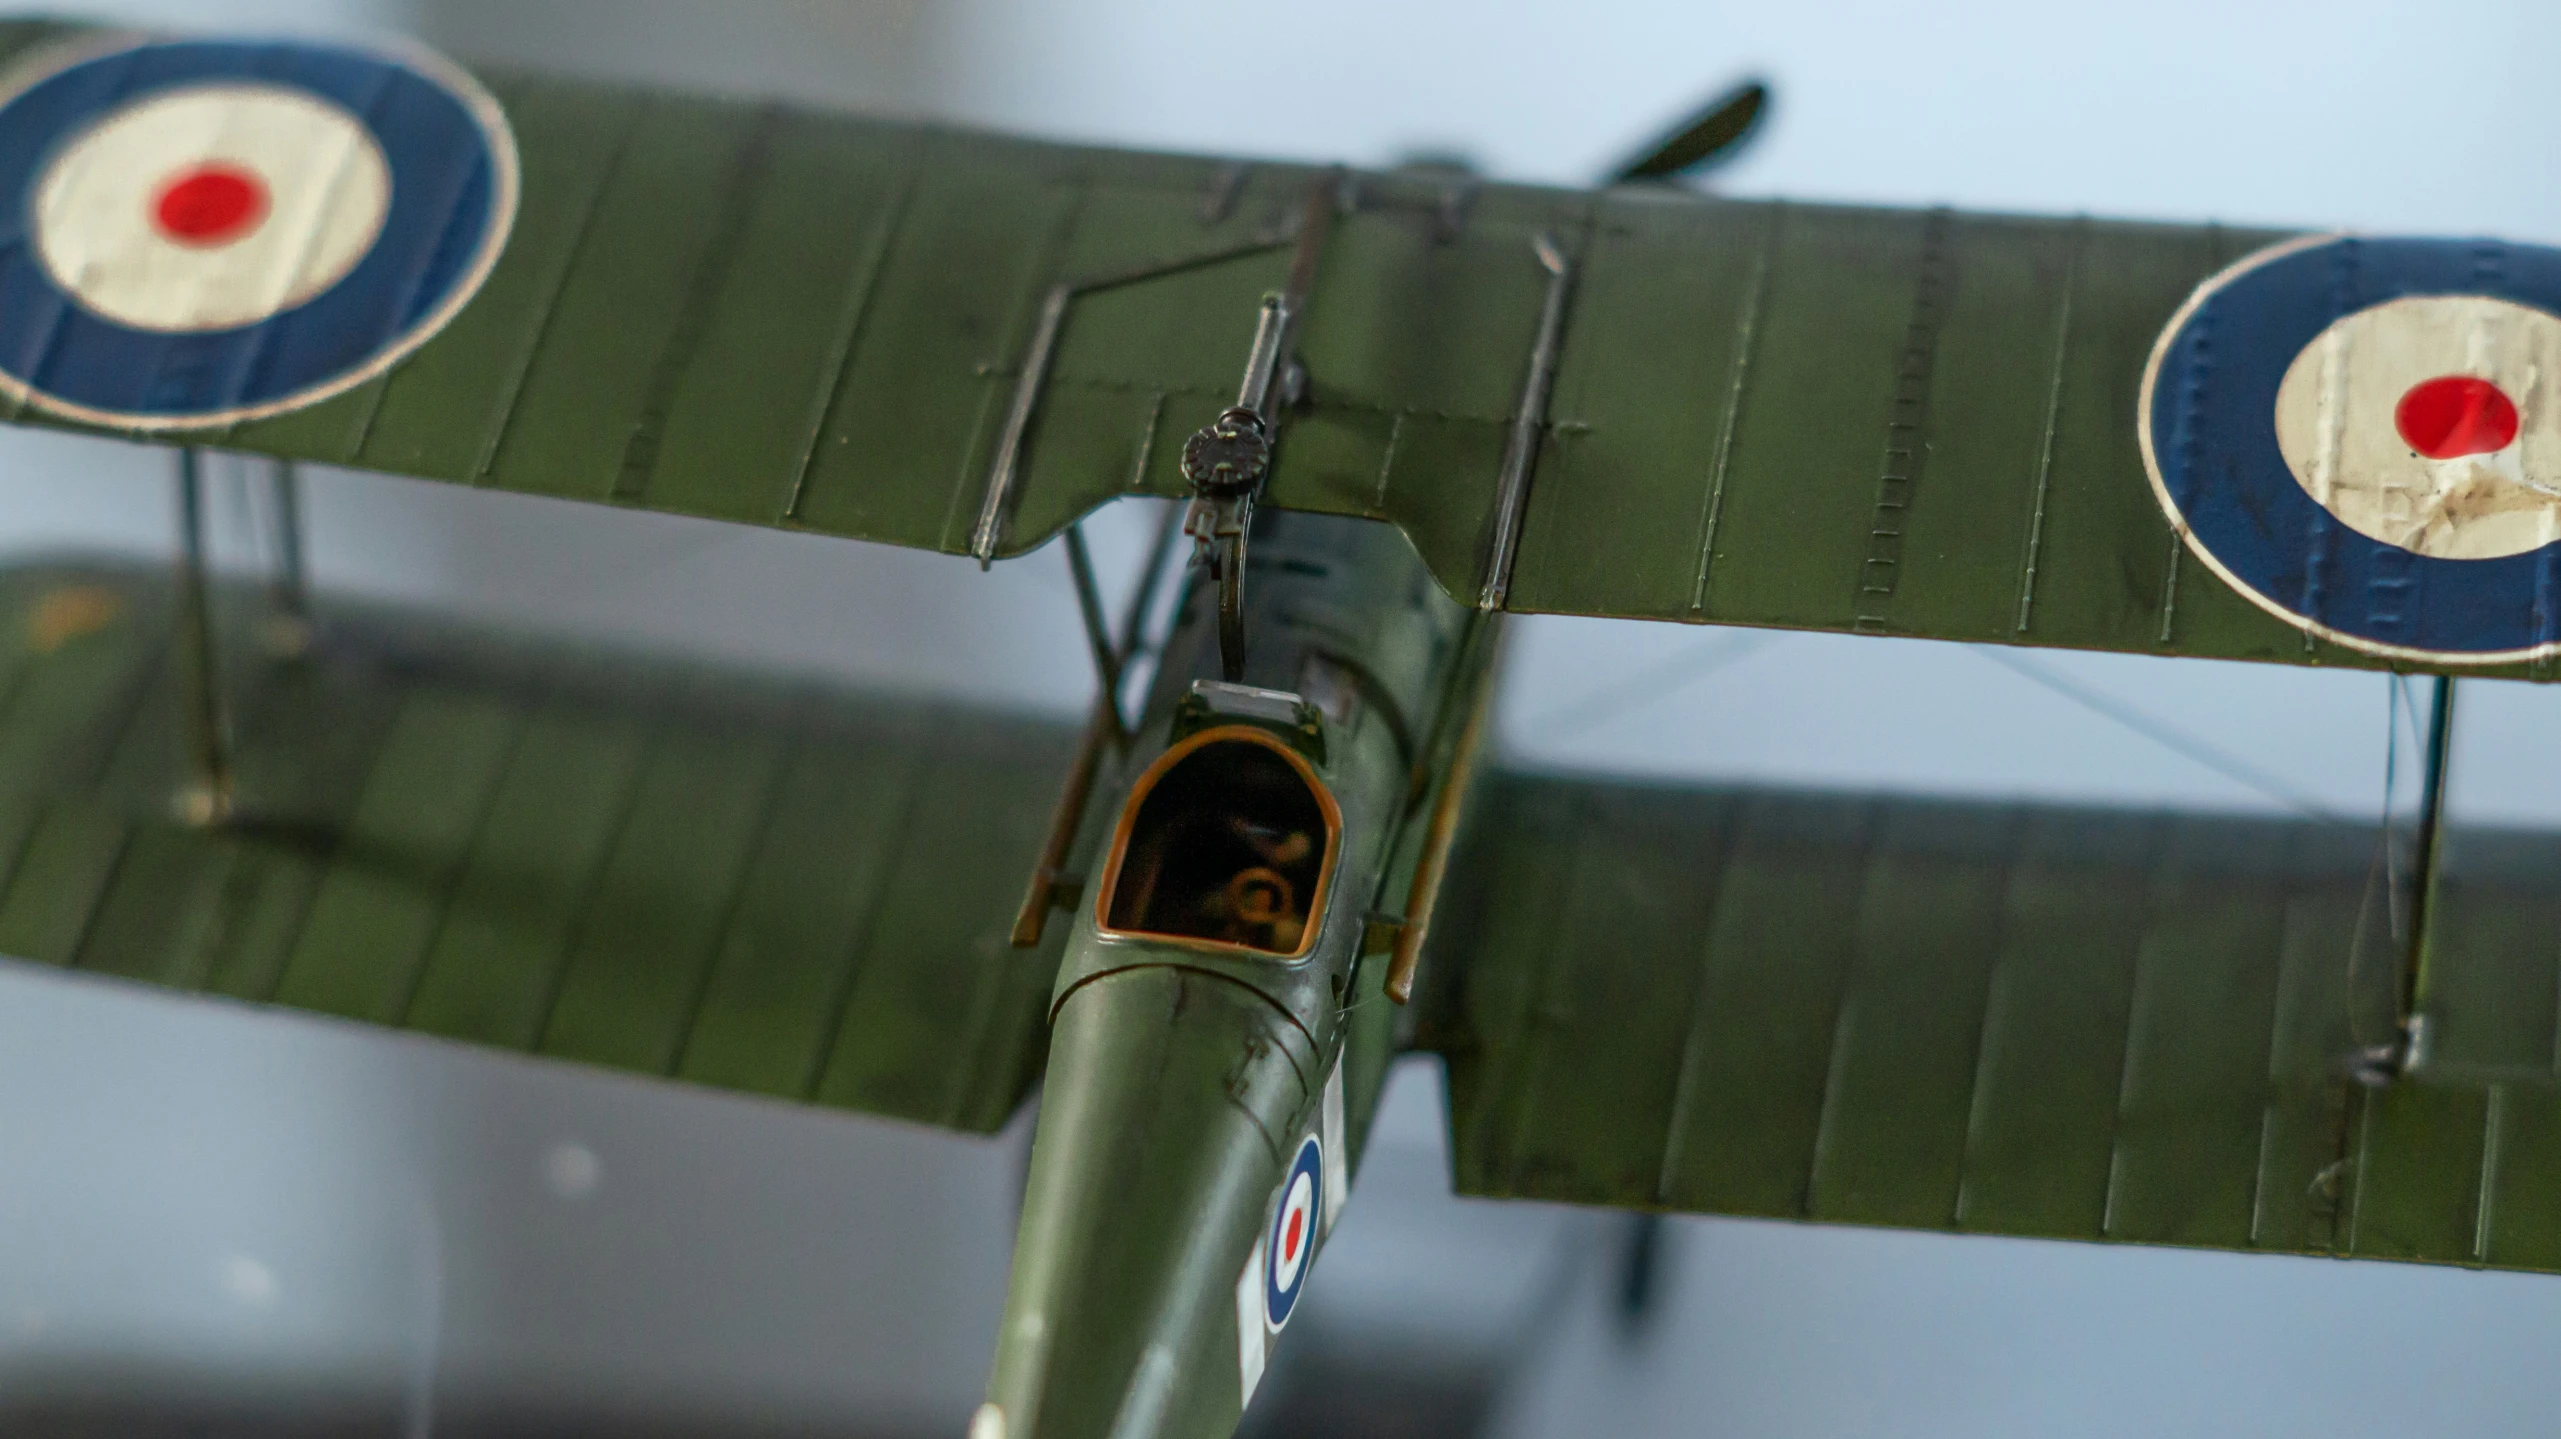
[(1206, 1100), (1760, 413), (1630, 402)]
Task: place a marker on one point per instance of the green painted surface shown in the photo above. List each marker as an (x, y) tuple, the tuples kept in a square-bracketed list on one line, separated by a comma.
[(2004, 1019), (1784, 415), (664, 868), (1185, 1076)]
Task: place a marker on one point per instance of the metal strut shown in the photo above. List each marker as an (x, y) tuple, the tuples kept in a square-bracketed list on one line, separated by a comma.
[(996, 501), (207, 799), (1529, 426), (2378, 1064), (1469, 707), (2411, 1046), (288, 583), (1107, 657), (1228, 461), (1052, 885)]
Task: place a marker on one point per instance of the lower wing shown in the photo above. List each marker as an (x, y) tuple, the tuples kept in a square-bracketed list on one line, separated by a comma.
[(673, 870), (2005, 1019)]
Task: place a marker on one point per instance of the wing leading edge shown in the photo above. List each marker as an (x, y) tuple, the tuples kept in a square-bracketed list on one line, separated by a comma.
[(1765, 414), (2093, 1025)]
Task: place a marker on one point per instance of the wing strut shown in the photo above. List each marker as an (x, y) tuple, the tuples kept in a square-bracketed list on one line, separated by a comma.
[(207, 800), (1108, 658), (1052, 885), (2410, 1046), (996, 504), (2404, 1049), (1470, 705), (1227, 460), (1529, 426), (288, 583)]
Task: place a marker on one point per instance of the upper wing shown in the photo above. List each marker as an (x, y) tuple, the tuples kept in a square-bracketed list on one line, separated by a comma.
[(1855, 419), (2000, 1019), (666, 869), (1879, 421)]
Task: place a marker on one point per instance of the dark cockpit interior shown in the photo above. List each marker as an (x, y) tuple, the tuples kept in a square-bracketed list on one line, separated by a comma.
[(1230, 844)]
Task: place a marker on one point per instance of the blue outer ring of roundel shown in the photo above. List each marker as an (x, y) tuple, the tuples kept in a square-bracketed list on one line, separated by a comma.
[(1277, 1301), (2213, 432), (446, 201)]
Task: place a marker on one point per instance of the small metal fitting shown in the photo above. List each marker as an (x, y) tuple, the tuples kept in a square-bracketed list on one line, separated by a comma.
[(1230, 456)]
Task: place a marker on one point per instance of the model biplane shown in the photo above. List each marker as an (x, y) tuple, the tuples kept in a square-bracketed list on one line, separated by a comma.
[(1390, 409)]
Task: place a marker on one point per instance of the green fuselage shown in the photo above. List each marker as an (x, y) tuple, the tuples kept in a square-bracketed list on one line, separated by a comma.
[(1200, 1041)]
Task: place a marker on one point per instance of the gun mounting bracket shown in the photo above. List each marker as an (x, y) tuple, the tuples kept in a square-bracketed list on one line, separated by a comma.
[(1228, 461), (996, 502)]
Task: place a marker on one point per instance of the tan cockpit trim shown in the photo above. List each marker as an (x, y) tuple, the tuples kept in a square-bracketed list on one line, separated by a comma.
[(1164, 765)]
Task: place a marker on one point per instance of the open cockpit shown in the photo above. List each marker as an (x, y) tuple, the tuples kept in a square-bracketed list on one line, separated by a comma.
[(1229, 839)]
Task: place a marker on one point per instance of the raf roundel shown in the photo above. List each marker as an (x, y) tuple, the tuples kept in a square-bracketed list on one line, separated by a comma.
[(1292, 1241), (2363, 436), (201, 233)]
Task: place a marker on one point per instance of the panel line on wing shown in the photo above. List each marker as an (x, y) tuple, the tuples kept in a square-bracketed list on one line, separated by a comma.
[(1841, 1033), (1992, 1013), (555, 289), (768, 803), (897, 816), (1746, 345), (1020, 328), (2053, 423), (733, 205), (1685, 1080), (860, 293), (1565, 883), (1907, 429), (560, 803), (2493, 1136), (2288, 923), (64, 871)]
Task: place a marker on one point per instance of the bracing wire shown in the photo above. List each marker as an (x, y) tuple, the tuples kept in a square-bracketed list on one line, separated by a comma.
[(1659, 680), (1693, 663), (2160, 732)]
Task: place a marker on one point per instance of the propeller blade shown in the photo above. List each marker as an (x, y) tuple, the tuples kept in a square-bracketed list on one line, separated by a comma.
[(1712, 137)]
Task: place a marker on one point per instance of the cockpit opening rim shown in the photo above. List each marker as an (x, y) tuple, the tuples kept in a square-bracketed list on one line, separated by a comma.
[(1124, 825)]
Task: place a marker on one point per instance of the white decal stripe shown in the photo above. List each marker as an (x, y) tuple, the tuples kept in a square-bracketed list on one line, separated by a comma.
[(1249, 1325), (1338, 1162)]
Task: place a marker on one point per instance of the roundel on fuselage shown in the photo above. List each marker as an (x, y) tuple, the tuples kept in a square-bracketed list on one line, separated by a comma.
[(1291, 1244)]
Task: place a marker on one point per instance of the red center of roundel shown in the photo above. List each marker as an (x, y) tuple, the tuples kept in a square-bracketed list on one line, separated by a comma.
[(212, 204), (1289, 1239), (2456, 415)]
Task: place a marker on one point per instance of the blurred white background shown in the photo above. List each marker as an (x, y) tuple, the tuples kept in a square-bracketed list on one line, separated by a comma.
[(248, 1199)]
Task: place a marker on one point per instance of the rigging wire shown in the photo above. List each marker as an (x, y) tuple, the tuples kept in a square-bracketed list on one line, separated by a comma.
[(2160, 732), (1659, 680), (2382, 883), (2398, 884)]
